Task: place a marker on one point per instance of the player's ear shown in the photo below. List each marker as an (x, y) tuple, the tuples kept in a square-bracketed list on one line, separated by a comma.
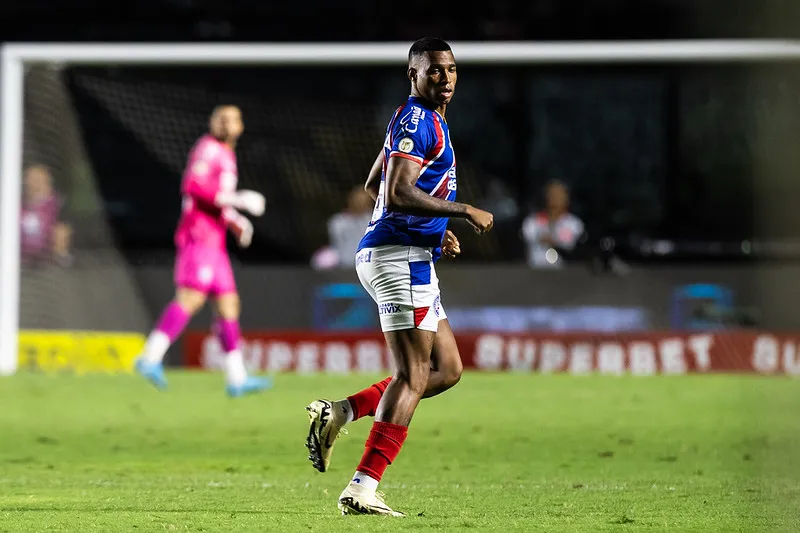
[(412, 74)]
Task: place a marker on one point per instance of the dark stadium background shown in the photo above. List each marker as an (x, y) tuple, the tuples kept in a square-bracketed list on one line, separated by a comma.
[(680, 302), (671, 153)]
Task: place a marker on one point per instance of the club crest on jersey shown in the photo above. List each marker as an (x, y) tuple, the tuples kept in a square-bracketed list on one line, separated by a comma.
[(405, 145), (437, 306)]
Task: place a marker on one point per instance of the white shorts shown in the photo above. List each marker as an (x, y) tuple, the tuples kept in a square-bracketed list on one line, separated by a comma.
[(403, 282)]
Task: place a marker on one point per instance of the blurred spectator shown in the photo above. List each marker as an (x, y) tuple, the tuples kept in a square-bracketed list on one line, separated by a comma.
[(345, 230), (553, 233), (44, 236)]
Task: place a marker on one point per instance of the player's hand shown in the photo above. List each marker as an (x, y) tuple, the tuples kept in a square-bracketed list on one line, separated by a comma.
[(243, 232), (252, 202), (450, 245), (481, 220), (240, 226)]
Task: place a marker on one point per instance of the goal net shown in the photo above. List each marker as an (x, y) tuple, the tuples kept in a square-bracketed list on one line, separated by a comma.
[(110, 127)]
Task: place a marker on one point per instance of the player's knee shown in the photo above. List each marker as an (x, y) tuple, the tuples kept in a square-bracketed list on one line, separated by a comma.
[(190, 300), (229, 306), (453, 375)]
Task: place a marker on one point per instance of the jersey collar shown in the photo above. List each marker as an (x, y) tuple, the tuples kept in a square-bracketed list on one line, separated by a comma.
[(426, 104)]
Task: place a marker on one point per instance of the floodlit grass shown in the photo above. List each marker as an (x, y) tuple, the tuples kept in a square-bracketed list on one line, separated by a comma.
[(498, 452)]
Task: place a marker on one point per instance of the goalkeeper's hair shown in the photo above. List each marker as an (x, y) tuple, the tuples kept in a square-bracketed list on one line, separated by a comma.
[(427, 44)]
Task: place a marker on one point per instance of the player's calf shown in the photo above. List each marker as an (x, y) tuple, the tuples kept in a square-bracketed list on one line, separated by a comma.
[(411, 350), (238, 383), (173, 320)]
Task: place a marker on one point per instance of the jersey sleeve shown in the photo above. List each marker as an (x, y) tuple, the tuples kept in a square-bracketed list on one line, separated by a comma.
[(413, 137), (198, 180)]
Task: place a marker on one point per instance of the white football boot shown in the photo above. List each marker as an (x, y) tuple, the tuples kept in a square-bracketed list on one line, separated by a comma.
[(327, 422), (356, 499)]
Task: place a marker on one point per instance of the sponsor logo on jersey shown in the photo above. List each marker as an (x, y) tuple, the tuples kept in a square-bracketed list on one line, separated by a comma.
[(363, 257), (388, 309), (405, 145), (410, 120), (451, 179)]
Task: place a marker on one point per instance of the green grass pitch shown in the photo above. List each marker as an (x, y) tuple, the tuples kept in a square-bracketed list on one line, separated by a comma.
[(499, 452)]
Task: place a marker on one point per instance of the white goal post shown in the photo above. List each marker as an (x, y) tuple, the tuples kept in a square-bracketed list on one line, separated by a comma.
[(15, 57)]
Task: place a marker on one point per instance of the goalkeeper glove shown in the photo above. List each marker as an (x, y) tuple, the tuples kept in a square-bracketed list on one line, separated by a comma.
[(252, 202)]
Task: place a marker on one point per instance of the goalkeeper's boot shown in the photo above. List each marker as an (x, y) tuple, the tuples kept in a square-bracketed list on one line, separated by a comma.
[(251, 385), (152, 372), (326, 424), (356, 499)]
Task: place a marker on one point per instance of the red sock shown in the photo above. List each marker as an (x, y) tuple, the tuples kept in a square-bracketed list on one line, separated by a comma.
[(365, 403), (383, 445)]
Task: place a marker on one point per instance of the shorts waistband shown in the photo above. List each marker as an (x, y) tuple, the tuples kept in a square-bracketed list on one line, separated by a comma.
[(394, 253)]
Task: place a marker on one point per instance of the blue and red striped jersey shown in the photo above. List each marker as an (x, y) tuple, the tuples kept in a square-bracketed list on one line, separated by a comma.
[(418, 133)]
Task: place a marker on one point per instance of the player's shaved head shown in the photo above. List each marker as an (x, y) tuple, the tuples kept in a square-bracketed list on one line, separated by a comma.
[(427, 44), (432, 71), (225, 108), (226, 123)]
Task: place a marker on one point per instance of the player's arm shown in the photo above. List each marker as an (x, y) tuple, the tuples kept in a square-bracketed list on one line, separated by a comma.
[(200, 186), (209, 197), (373, 184), (403, 196)]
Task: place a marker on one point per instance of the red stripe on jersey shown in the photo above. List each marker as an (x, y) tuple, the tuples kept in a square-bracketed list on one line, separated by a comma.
[(437, 128), (419, 315), (442, 191), (410, 157)]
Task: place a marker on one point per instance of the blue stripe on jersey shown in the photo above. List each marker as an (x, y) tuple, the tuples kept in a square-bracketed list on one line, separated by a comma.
[(420, 272), (418, 133)]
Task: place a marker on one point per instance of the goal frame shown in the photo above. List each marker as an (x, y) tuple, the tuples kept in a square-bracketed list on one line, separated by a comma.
[(16, 56)]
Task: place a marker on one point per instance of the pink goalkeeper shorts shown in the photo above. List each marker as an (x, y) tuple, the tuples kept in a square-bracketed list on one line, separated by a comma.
[(205, 269)]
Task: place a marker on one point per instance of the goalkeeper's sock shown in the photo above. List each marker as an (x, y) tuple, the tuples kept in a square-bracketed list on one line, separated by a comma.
[(169, 327), (383, 446), (228, 333), (365, 402)]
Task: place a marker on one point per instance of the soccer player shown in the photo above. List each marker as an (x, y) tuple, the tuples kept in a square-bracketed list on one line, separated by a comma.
[(413, 182), (211, 206)]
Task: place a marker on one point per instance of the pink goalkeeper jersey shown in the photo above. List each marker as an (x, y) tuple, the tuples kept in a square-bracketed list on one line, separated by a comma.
[(211, 168)]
